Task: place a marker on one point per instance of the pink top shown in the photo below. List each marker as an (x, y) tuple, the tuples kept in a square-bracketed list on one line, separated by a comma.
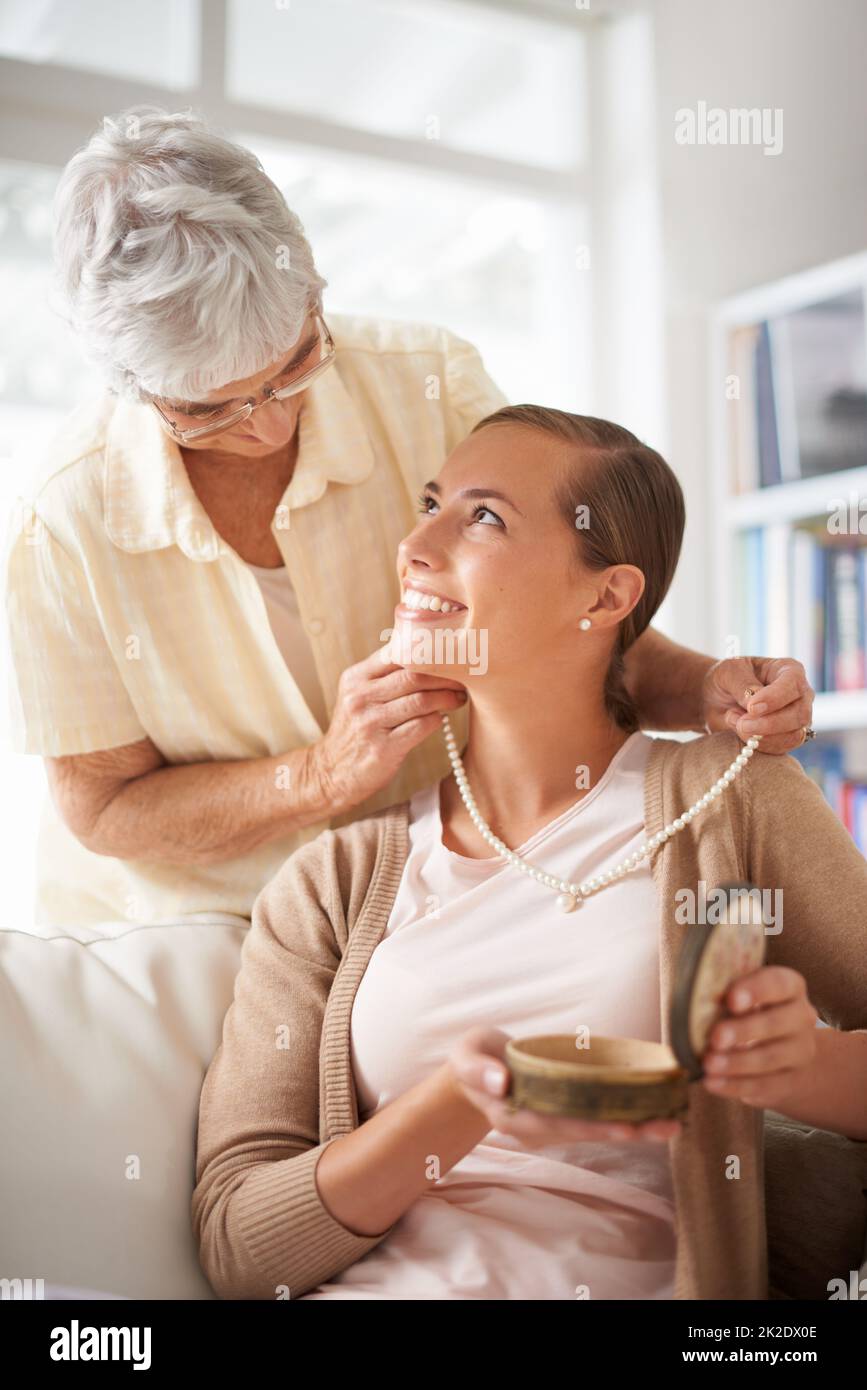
[(474, 941)]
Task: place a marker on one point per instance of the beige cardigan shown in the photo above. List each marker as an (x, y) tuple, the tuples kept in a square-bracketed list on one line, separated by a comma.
[(280, 1087)]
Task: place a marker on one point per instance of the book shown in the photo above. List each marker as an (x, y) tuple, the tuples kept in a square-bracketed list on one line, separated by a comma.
[(752, 616), (801, 409), (806, 604), (818, 368), (847, 656), (822, 760), (769, 450), (775, 559), (743, 430), (785, 405), (859, 817)]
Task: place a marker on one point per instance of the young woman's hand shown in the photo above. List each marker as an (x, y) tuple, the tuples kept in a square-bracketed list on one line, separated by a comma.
[(759, 1057), (477, 1065), (780, 710)]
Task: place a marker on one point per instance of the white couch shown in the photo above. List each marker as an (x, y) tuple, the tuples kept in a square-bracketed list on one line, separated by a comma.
[(106, 1035)]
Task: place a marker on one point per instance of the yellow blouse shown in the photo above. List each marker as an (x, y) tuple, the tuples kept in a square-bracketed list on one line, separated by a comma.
[(127, 614)]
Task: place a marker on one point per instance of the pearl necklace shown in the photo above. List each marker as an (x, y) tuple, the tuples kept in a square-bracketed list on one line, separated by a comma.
[(571, 895)]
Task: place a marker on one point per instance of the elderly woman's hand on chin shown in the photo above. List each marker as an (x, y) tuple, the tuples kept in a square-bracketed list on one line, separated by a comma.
[(477, 1065)]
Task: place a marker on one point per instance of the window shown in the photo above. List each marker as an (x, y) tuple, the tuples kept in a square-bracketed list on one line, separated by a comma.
[(415, 244), (473, 78), (436, 153), (156, 42)]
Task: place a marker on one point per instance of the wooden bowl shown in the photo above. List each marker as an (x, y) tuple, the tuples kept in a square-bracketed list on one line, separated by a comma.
[(628, 1079), (615, 1079)]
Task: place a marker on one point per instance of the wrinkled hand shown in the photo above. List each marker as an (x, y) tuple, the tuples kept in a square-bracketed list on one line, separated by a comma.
[(759, 1057), (778, 712), (381, 713), (477, 1064)]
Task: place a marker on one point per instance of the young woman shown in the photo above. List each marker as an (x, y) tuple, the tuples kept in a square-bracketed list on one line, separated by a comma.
[(355, 1140)]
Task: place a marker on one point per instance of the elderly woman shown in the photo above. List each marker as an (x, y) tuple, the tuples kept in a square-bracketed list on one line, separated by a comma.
[(352, 1142), (196, 591)]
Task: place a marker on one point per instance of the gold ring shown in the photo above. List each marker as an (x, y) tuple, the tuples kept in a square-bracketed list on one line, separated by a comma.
[(748, 694)]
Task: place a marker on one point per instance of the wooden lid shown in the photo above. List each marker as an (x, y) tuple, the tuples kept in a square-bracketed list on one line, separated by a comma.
[(715, 953)]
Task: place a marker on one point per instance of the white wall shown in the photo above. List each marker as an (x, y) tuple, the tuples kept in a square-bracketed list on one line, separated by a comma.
[(733, 217)]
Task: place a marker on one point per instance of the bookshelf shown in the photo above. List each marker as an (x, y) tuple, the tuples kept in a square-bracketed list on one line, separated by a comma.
[(788, 418)]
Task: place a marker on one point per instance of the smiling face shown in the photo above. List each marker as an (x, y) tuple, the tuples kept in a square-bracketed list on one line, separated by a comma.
[(493, 555)]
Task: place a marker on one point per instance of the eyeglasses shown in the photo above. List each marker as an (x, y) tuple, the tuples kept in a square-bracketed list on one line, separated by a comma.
[(184, 433)]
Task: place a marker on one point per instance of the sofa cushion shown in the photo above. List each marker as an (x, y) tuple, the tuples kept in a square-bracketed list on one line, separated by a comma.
[(816, 1201), (106, 1034)]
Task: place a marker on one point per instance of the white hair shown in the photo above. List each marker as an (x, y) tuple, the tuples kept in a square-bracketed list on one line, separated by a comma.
[(177, 260)]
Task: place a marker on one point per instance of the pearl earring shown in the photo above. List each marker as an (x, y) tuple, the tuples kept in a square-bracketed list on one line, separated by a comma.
[(584, 624)]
